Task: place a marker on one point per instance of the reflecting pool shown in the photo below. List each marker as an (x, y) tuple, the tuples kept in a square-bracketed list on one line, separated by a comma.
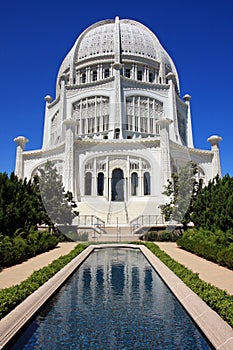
[(115, 300)]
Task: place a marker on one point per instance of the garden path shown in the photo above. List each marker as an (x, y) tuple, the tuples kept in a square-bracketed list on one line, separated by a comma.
[(208, 271), (212, 273), (15, 274)]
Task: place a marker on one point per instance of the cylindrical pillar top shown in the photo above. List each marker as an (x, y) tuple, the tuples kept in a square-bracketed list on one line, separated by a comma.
[(21, 141)]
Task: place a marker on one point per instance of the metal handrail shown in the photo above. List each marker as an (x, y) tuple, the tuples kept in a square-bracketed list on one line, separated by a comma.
[(146, 221), (109, 212), (91, 221), (126, 212)]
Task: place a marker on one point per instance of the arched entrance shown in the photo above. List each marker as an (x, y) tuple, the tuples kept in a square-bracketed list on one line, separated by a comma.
[(117, 185)]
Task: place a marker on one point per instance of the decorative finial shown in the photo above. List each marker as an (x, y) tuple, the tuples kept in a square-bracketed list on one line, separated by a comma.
[(48, 98), (187, 97), (214, 140), (21, 141)]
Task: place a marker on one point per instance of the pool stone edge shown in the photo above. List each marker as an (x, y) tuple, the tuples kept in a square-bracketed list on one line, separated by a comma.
[(218, 332)]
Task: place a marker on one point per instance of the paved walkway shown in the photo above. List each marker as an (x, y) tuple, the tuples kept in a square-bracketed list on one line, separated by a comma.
[(208, 271), (11, 276)]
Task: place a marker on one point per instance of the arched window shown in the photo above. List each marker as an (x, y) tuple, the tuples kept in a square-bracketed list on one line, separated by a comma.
[(106, 73), (88, 183), (146, 180), (100, 184), (134, 184), (84, 78), (127, 73), (94, 75), (139, 75), (117, 133), (151, 77)]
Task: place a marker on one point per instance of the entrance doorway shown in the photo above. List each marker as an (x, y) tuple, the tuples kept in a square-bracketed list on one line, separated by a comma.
[(117, 185)]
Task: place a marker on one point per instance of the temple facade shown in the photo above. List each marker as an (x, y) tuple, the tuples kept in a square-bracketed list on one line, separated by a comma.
[(117, 127)]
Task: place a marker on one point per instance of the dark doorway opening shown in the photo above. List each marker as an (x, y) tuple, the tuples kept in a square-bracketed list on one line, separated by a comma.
[(117, 185)]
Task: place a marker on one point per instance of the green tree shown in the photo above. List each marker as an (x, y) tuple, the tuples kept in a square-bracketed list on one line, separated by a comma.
[(59, 207), (19, 205), (213, 208), (181, 191)]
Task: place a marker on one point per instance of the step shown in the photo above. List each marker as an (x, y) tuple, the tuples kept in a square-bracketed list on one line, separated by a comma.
[(123, 230)]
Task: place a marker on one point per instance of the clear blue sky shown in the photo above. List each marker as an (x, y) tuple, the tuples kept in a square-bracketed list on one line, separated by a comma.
[(36, 35)]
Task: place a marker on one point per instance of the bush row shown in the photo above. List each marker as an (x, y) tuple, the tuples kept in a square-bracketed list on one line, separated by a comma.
[(215, 246), (14, 250), (12, 296), (219, 300), (163, 236)]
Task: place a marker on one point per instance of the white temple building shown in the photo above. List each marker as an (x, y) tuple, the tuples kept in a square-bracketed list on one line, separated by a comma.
[(118, 128)]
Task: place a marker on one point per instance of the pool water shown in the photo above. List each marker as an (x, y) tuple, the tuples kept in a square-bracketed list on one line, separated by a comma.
[(115, 300)]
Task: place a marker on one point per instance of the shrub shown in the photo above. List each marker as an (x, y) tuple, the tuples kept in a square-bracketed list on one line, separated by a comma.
[(14, 250), (225, 257), (161, 236), (215, 246)]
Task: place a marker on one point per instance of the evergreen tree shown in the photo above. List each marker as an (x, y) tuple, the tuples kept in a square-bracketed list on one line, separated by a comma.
[(58, 204), (213, 208), (181, 191), (19, 205)]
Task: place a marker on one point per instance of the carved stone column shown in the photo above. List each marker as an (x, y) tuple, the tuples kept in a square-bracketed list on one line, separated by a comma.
[(216, 167), (68, 176), (187, 99), (165, 149), (117, 81), (19, 165)]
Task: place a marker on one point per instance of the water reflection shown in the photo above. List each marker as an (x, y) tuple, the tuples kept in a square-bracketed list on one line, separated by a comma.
[(114, 301)]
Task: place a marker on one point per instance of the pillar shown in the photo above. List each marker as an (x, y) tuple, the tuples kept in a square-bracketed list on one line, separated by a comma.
[(46, 135), (117, 119), (165, 149), (19, 165), (68, 177), (172, 112), (216, 167), (187, 99)]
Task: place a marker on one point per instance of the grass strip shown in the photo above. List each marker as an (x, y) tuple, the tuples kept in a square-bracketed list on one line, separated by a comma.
[(13, 296), (217, 299)]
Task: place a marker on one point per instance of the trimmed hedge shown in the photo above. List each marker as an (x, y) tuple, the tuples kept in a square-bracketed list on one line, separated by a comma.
[(214, 246), (219, 300), (162, 236), (14, 250), (13, 296)]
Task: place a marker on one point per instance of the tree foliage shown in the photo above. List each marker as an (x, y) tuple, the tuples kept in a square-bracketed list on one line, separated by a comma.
[(181, 192), (58, 204), (213, 207), (20, 207), (212, 215), (24, 204), (209, 207)]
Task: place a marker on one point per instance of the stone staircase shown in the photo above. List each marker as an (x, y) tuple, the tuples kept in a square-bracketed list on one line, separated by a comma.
[(123, 212), (117, 213), (117, 216), (119, 233)]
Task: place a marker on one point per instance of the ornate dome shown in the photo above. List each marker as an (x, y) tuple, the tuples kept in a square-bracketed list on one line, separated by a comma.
[(133, 38)]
